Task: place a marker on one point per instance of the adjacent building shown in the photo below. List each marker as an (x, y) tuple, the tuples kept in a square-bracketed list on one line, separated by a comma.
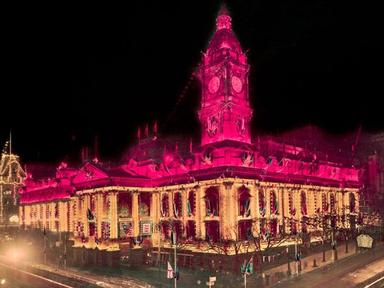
[(12, 176)]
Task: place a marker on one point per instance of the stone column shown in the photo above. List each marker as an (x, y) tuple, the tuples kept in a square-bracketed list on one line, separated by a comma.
[(297, 201), (135, 213), (268, 204), (184, 210), (113, 215), (27, 215), (281, 201), (52, 216), (170, 203), (85, 206), (44, 208), (155, 212), (224, 210), (99, 213), (63, 223), (357, 201), (230, 209), (70, 215), (200, 213), (253, 201), (257, 210)]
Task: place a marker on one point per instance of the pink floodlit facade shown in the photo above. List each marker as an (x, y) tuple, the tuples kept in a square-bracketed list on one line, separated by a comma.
[(225, 188)]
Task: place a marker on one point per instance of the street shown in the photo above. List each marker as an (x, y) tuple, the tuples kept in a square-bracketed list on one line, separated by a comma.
[(349, 272)]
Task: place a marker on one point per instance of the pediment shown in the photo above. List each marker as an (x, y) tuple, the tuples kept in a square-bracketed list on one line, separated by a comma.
[(89, 172)]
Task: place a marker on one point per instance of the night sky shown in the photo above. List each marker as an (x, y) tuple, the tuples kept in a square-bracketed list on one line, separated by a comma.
[(71, 73)]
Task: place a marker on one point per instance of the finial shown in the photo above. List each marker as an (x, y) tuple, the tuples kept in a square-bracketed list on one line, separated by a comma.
[(223, 20)]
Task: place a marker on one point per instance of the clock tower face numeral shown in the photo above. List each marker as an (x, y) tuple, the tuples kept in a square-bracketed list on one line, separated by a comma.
[(237, 84), (214, 84)]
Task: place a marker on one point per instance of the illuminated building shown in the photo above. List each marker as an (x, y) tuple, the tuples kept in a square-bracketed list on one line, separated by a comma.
[(12, 176), (228, 187)]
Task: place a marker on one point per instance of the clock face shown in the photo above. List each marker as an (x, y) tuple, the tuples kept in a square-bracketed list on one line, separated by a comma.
[(214, 84), (237, 85)]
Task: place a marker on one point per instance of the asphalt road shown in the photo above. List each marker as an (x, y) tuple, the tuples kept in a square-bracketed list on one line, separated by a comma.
[(348, 272), (32, 278)]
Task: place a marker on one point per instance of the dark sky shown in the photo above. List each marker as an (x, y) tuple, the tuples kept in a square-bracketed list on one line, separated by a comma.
[(70, 73)]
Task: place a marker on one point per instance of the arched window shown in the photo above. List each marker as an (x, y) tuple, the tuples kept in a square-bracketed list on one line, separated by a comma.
[(164, 206), (191, 230), (145, 204), (125, 205), (212, 201), (304, 222), (93, 203), (273, 202), (105, 204), (332, 201), (56, 210), (352, 202), (273, 227), (262, 208), (303, 203), (244, 202), (191, 203), (292, 209), (177, 205), (166, 229), (324, 203)]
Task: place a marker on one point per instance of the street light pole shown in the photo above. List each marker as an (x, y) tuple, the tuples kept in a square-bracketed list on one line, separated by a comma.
[(65, 250), (175, 261), (289, 263), (45, 248), (245, 279), (296, 262)]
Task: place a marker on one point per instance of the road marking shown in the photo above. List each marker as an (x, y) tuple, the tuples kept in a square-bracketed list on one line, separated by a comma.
[(37, 276), (373, 283)]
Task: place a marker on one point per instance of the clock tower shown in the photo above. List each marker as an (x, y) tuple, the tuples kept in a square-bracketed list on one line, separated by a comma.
[(225, 113)]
